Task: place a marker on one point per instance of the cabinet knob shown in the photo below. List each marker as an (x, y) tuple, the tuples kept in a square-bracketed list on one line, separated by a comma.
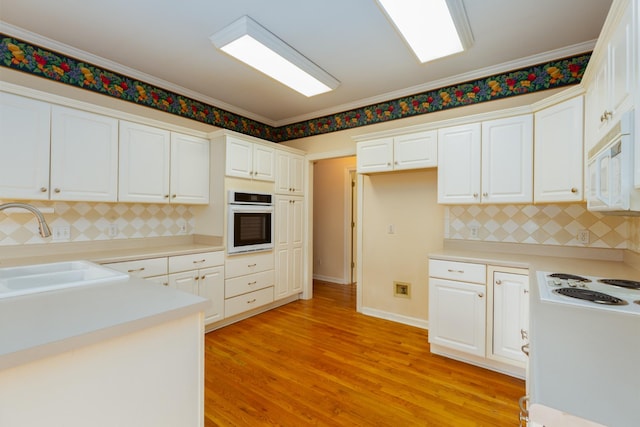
[(475, 195), (388, 163), (43, 189), (480, 295), (498, 282), (574, 190), (166, 196), (525, 349), (485, 194), (524, 334), (173, 196), (57, 190), (395, 163)]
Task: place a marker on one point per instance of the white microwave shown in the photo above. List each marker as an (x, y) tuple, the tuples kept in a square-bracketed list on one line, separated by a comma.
[(610, 172), (250, 222)]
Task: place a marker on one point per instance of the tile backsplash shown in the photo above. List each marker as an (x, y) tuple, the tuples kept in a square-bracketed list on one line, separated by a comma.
[(97, 221), (552, 224)]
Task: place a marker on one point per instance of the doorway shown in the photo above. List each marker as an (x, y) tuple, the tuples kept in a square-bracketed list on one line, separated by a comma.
[(334, 220)]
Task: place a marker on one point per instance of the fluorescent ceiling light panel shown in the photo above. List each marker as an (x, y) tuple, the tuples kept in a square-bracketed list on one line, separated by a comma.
[(432, 28), (251, 43)]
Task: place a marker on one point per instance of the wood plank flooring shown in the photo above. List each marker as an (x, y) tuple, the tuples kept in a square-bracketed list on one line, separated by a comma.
[(319, 362)]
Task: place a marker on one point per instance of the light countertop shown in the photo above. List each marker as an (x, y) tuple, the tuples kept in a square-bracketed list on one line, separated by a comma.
[(41, 325)]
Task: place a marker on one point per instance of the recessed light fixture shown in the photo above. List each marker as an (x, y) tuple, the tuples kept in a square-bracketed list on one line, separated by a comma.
[(251, 43), (432, 28)]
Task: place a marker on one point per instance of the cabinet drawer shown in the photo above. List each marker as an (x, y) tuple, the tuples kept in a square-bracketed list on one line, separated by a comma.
[(141, 268), (195, 261), (461, 271), (246, 302), (240, 265), (248, 283)]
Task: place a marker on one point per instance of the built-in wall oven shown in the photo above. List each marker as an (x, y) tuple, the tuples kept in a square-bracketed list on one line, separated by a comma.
[(249, 222)]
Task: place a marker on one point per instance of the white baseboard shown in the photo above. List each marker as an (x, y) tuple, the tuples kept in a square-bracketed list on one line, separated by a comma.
[(406, 320), (337, 280)]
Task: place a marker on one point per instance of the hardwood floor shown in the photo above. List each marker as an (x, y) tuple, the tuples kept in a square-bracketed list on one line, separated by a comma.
[(319, 362)]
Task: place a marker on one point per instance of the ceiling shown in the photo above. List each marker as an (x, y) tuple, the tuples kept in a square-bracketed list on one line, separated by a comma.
[(166, 43)]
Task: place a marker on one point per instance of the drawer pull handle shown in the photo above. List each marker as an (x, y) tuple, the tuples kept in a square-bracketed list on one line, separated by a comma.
[(252, 283), (135, 270), (525, 349), (455, 271), (199, 262), (251, 301), (251, 265)]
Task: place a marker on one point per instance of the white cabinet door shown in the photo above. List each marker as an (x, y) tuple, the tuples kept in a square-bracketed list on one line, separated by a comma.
[(264, 163), (211, 286), (289, 173), (239, 160), (189, 181), (414, 151), (459, 164), (144, 163), (186, 281), (84, 156), (375, 155), (558, 167), (510, 315), (507, 160), (24, 148), (611, 91), (247, 160), (289, 245), (457, 315)]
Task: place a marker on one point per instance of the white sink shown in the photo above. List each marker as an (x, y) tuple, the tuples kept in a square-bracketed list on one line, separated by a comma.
[(31, 279)]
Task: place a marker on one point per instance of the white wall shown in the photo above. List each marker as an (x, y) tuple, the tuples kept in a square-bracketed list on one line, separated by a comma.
[(407, 202), (330, 221)]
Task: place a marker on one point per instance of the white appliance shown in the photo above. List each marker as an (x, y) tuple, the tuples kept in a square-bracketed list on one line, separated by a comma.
[(250, 222), (611, 171), (597, 293)]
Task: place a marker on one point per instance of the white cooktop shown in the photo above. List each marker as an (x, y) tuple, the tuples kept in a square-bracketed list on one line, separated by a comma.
[(549, 285)]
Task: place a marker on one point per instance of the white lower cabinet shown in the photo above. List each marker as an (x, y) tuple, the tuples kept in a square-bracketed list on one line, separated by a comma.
[(508, 325), (479, 314), (249, 282), (457, 307), (199, 274), (456, 315), (288, 246)]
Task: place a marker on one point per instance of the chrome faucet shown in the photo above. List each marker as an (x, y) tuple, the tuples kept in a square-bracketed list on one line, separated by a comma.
[(43, 228)]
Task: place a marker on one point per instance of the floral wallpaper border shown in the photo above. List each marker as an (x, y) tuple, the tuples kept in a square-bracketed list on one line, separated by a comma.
[(39, 61)]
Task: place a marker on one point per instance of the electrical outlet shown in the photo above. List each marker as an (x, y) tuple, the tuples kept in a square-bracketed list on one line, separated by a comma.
[(182, 225), (583, 237), (391, 229), (112, 230), (474, 231), (61, 233)]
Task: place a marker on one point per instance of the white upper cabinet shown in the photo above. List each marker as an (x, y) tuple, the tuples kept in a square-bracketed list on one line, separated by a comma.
[(144, 163), (459, 164), (558, 167), (24, 148), (249, 160), (507, 160), (189, 183), (488, 162), (289, 173), (612, 85), (411, 151), (84, 156), (158, 166)]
